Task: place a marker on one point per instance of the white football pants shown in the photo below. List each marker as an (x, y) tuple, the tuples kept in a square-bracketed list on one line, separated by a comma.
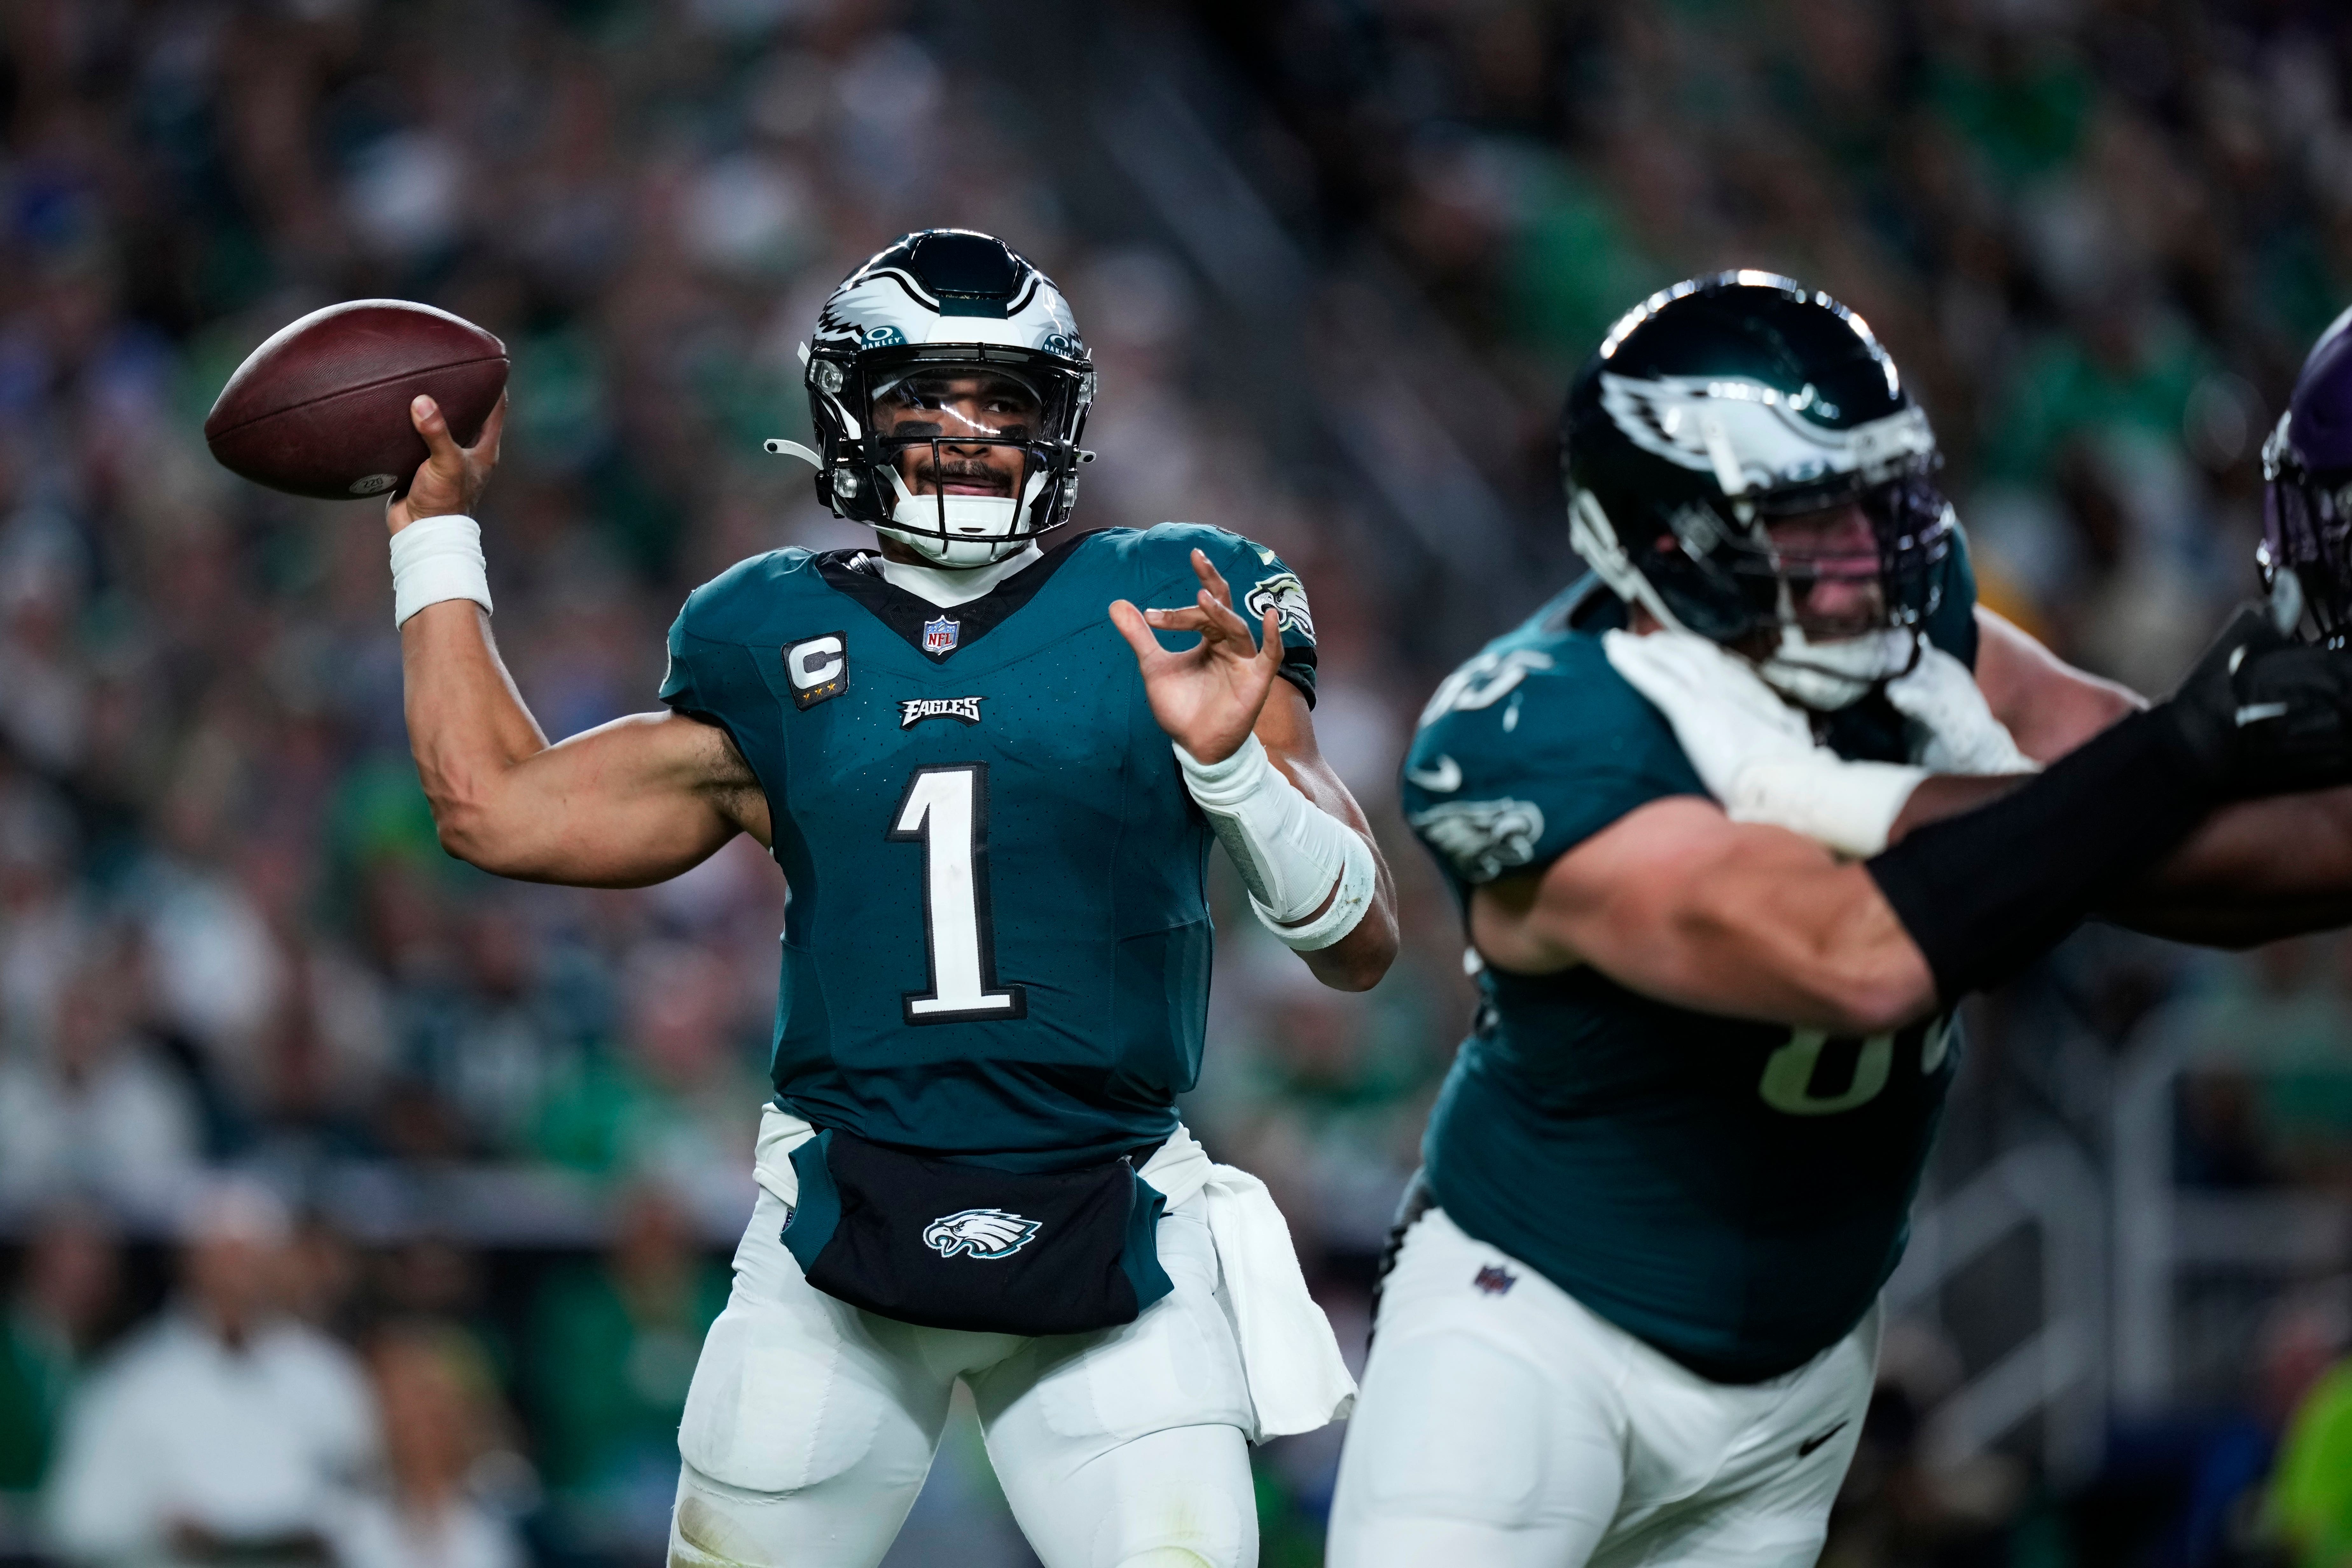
[(811, 1424), (1504, 1424)]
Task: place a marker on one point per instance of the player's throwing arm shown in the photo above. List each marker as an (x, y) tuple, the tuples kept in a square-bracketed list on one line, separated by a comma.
[(633, 802), (350, 401)]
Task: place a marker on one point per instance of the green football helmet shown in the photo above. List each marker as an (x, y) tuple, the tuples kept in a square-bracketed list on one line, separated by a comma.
[(1720, 405)]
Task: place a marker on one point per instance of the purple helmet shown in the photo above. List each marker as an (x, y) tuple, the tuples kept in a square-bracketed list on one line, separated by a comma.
[(2307, 486)]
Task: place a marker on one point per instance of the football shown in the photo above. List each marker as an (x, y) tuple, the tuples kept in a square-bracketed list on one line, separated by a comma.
[(321, 409)]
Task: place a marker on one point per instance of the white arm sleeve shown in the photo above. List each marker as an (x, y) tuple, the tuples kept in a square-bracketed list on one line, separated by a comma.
[(1291, 854)]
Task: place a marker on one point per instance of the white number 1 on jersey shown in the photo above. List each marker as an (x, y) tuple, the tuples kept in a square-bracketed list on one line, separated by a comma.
[(946, 810)]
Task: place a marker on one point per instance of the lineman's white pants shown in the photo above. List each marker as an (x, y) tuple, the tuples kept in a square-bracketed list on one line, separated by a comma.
[(1504, 1424), (811, 1424)]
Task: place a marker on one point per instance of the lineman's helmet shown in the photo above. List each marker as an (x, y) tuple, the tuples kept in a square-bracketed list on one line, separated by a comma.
[(1719, 404)]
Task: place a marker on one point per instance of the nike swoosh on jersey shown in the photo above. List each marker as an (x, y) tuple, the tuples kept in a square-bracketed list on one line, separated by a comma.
[(1442, 776), (1805, 1448)]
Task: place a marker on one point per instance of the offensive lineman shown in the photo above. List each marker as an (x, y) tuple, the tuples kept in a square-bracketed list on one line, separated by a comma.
[(996, 954), (1632, 1311)]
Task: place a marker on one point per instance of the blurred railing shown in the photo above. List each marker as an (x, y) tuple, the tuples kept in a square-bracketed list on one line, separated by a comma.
[(2057, 1372), (1388, 423), (2165, 1236)]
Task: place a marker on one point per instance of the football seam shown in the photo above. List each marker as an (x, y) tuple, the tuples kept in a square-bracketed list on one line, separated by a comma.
[(347, 391)]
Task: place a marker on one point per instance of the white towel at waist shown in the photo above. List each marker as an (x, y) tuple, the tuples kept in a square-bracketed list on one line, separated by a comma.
[(1297, 1381)]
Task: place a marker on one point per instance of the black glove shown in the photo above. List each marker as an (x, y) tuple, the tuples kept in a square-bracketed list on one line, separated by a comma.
[(2261, 714)]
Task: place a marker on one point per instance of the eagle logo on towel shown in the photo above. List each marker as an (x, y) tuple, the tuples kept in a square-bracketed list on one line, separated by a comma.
[(986, 1233)]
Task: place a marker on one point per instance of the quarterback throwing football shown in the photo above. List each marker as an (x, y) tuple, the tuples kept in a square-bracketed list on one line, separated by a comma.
[(1734, 823), (992, 801)]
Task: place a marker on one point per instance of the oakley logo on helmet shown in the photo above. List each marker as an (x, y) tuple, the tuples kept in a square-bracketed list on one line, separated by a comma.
[(1484, 839), (985, 1234), (818, 668)]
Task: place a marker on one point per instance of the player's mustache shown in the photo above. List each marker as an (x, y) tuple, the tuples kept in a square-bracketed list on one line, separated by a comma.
[(966, 471)]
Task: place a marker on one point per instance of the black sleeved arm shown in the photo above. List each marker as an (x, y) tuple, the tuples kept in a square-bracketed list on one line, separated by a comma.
[(1985, 893)]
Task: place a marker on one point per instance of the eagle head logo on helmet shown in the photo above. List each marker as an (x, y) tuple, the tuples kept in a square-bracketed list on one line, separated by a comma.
[(1721, 406), (985, 1234), (948, 387)]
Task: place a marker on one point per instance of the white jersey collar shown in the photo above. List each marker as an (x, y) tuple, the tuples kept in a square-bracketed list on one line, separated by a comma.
[(948, 587)]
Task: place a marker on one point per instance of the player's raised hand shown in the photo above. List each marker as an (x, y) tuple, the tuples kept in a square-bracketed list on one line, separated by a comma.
[(1208, 697), (452, 476)]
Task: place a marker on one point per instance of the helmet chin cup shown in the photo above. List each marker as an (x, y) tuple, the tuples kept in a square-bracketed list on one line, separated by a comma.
[(1827, 676), (959, 530)]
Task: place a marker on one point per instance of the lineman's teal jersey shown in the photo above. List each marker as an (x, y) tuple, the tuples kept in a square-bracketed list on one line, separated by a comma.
[(997, 942), (1734, 1193)]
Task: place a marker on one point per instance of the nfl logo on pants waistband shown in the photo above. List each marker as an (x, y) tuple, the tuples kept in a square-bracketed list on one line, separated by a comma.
[(939, 636)]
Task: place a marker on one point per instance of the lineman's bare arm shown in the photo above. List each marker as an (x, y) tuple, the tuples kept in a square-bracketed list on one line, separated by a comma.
[(1679, 902), (629, 803)]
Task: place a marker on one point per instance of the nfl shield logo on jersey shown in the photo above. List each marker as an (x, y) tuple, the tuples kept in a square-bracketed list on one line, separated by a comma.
[(979, 1233), (939, 636)]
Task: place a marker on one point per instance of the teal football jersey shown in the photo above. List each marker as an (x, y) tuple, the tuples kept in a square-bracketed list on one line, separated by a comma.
[(1734, 1193), (997, 942)]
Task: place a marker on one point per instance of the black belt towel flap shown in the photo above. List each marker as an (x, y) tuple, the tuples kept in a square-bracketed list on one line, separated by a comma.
[(952, 1246)]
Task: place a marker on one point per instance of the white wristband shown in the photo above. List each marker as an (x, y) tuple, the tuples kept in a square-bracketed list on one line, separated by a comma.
[(1292, 856), (437, 558)]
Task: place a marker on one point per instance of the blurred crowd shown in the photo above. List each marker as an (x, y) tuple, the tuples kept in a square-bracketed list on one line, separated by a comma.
[(2099, 235), (404, 1194)]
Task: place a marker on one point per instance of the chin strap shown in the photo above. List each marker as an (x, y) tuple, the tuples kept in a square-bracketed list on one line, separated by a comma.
[(1591, 535)]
